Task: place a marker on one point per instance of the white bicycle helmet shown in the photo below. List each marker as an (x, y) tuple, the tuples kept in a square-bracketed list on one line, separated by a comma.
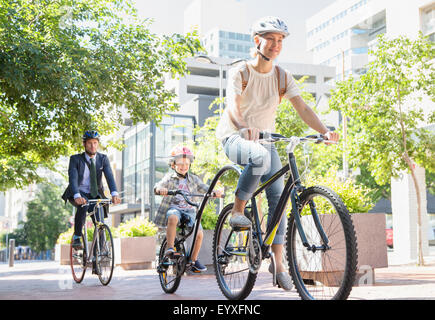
[(269, 24)]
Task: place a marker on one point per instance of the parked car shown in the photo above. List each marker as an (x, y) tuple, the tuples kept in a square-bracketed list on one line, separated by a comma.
[(389, 234), (430, 235)]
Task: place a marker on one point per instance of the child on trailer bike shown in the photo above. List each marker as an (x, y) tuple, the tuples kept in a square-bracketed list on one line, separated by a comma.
[(174, 209), (254, 92)]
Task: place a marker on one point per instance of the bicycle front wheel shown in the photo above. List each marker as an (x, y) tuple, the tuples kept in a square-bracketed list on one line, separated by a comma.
[(105, 258), (230, 259), (323, 268), (171, 269), (78, 261)]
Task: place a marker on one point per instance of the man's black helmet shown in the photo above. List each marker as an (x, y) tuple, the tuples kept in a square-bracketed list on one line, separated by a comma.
[(91, 134)]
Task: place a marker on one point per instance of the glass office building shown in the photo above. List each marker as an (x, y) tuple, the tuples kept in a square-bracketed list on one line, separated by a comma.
[(145, 160), (227, 44)]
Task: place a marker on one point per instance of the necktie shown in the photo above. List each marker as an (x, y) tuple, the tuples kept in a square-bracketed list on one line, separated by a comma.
[(93, 177)]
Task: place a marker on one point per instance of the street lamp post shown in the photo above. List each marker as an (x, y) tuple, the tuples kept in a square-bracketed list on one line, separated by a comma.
[(207, 59)]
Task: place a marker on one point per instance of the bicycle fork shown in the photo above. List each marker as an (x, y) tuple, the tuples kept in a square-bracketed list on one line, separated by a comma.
[(295, 211)]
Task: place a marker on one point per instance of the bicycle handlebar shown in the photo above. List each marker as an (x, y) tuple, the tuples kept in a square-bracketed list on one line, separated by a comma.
[(187, 194), (102, 201), (274, 137)]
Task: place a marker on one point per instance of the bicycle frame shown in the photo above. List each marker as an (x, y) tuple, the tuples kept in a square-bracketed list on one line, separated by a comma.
[(292, 187), (99, 217)]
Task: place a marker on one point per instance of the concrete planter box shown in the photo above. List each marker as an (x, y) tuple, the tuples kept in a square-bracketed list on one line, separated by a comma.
[(135, 253), (372, 249), (62, 253)]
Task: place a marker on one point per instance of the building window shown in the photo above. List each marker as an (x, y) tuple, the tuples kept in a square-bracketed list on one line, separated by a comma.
[(428, 21)]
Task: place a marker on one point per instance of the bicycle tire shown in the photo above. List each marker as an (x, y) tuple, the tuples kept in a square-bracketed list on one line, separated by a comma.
[(220, 261), (166, 267), (105, 255), (78, 261), (323, 274)]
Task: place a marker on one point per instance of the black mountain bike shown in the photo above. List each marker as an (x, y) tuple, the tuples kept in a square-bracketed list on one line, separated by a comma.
[(321, 240)]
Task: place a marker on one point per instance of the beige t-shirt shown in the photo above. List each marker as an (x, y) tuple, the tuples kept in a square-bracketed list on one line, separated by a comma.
[(259, 101)]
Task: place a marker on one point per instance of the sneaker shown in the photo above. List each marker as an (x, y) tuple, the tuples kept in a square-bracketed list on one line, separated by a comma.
[(171, 253), (198, 267), (77, 243), (240, 221)]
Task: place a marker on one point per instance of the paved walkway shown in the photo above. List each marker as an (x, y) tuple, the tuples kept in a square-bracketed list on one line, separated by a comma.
[(50, 281)]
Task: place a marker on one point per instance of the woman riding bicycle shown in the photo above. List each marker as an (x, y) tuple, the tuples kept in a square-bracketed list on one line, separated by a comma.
[(251, 108)]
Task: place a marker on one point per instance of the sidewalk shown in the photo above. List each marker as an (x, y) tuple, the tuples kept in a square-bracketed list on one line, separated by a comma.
[(47, 280)]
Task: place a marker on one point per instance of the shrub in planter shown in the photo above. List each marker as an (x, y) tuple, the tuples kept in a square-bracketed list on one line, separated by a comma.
[(136, 227), (65, 237), (209, 216), (355, 197), (135, 244)]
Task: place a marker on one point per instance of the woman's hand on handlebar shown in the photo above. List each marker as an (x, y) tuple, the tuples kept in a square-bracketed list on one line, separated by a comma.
[(162, 191), (250, 133), (331, 136)]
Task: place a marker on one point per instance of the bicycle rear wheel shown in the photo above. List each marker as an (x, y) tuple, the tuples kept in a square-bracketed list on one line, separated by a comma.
[(323, 270), (171, 269), (78, 261), (230, 259), (105, 258)]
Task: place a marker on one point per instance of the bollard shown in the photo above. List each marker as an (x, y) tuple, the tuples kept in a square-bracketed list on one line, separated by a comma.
[(11, 252)]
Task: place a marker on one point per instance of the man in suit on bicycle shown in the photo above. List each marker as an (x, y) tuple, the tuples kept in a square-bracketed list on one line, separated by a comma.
[(85, 181)]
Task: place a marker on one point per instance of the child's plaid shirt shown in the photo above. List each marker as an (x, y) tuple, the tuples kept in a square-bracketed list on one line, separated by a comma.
[(171, 181)]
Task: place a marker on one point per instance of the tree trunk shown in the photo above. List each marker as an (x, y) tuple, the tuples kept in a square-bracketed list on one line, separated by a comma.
[(417, 191), (410, 164)]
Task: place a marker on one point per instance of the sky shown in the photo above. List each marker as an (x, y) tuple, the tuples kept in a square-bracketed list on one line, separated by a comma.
[(168, 19)]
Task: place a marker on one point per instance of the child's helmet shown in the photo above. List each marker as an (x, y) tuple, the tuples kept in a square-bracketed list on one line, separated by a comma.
[(180, 152)]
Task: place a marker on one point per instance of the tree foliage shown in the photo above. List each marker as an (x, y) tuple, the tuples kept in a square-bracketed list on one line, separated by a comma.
[(400, 74), (67, 66), (47, 217), (389, 108)]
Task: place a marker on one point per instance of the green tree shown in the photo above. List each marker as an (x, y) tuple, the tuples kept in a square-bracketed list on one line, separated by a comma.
[(18, 234), (68, 65), (386, 110), (47, 217)]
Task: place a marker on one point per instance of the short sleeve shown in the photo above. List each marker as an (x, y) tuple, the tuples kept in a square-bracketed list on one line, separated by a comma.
[(164, 183), (292, 87), (234, 85)]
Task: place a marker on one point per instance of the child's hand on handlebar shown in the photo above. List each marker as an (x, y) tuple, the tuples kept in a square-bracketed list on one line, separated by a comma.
[(162, 191), (218, 193)]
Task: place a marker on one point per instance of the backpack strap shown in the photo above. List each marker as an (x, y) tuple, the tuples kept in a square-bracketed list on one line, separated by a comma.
[(244, 72), (280, 73), (282, 81)]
